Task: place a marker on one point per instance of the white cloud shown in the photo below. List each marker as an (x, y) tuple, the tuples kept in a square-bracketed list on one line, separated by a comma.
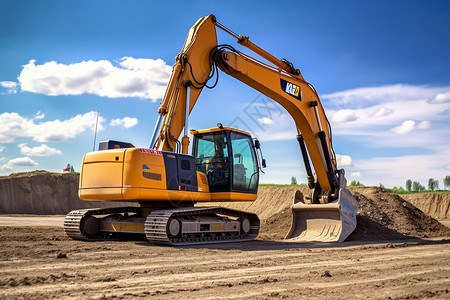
[(406, 127), (281, 128), (9, 86), (265, 121), (370, 96), (2, 148), (381, 112), (12, 125), (142, 78), (423, 125), (344, 115), (18, 162), (441, 98), (126, 122), (39, 115), (42, 150), (410, 125), (355, 175), (343, 160)]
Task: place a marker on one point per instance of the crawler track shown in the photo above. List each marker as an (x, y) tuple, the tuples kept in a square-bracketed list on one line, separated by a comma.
[(156, 226), (73, 223)]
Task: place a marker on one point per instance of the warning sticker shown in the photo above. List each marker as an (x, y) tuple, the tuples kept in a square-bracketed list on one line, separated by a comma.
[(150, 151)]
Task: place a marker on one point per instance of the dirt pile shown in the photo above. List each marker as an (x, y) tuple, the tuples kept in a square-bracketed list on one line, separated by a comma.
[(436, 205), (384, 215), (41, 192), (381, 215), (273, 208)]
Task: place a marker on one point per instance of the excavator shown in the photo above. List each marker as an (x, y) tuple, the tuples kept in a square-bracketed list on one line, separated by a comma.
[(166, 184)]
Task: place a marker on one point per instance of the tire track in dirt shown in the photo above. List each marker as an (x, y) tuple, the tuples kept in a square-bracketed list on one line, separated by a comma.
[(206, 273)]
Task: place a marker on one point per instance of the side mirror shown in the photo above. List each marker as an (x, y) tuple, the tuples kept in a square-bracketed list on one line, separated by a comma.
[(257, 144), (263, 162)]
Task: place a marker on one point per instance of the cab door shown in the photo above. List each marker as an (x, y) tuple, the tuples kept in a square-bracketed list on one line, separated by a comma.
[(245, 167)]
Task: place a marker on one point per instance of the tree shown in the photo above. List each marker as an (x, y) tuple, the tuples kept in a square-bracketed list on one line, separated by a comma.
[(431, 184), (408, 185), (417, 187), (356, 183), (293, 180), (436, 185), (446, 182)]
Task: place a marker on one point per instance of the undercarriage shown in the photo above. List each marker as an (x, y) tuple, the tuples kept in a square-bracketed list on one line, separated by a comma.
[(174, 226)]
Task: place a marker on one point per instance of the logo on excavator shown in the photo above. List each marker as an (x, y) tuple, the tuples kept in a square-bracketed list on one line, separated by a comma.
[(291, 89)]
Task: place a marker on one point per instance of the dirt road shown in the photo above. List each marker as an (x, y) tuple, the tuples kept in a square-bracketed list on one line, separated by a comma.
[(41, 263), (31, 220)]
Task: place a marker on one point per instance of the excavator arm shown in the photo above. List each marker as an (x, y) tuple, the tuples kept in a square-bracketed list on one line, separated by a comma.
[(190, 74)]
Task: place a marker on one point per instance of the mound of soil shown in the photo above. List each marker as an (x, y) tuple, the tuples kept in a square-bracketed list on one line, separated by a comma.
[(43, 193), (436, 205), (381, 215)]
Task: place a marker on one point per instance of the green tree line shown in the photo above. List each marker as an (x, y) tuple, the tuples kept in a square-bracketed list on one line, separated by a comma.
[(413, 186)]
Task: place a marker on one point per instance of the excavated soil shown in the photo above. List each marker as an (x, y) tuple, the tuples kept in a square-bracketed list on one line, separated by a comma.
[(436, 205), (397, 252), (381, 215)]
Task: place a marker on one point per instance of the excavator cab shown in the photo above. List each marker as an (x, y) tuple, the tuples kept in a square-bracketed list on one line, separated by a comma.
[(228, 158)]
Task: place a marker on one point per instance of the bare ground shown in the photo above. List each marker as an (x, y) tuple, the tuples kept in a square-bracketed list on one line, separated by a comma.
[(396, 252), (42, 263)]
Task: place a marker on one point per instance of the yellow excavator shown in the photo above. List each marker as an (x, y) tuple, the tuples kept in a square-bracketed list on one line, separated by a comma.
[(225, 163)]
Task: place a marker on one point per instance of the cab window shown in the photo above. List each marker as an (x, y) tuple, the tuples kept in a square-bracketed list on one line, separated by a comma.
[(212, 159), (245, 168)]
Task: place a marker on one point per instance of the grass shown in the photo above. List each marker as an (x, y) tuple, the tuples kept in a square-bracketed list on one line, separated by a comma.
[(397, 191), (283, 185)]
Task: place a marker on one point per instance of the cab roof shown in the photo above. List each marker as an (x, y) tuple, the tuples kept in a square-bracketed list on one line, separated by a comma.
[(216, 129)]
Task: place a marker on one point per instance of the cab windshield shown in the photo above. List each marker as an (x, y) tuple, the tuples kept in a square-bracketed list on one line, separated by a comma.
[(228, 160)]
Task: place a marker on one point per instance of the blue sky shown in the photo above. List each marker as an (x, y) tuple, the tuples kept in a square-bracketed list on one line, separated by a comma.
[(382, 70)]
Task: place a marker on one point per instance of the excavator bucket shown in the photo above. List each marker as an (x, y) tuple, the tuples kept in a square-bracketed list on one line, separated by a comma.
[(331, 222)]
